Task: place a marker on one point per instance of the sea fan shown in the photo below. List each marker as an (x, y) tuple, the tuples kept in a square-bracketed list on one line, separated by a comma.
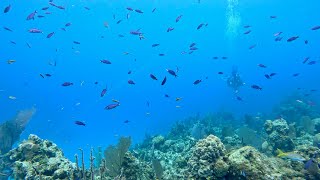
[(10, 130)]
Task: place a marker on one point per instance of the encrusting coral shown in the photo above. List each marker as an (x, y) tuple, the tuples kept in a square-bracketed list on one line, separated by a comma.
[(40, 159), (249, 163), (278, 136), (207, 159)]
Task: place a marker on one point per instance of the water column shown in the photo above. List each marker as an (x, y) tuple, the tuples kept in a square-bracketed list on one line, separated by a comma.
[(233, 20)]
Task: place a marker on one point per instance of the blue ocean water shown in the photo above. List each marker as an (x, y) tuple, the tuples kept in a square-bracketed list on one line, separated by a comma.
[(58, 107)]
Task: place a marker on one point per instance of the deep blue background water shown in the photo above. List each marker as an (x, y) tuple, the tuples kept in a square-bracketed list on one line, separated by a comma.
[(56, 105)]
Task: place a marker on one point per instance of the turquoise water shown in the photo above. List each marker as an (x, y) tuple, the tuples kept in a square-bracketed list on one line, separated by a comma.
[(58, 107)]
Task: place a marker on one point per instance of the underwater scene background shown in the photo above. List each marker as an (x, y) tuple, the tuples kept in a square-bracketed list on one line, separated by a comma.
[(194, 89)]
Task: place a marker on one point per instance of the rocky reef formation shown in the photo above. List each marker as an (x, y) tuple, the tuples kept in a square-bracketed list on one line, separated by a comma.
[(278, 136), (39, 159), (191, 150), (249, 163), (207, 159)]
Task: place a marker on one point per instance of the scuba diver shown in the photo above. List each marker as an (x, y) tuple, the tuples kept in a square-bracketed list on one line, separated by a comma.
[(235, 81)]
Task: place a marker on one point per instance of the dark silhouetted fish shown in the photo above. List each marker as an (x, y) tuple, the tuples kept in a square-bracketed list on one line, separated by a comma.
[(131, 82), (129, 8), (312, 62), (295, 74), (170, 29), (305, 60), (153, 10), (50, 35), (292, 38), (118, 22), (164, 81), (126, 121), (192, 45), (315, 28), (105, 61), (29, 46), (112, 106), (193, 48), (80, 123), (67, 24), (178, 18), (7, 9), (87, 8), (262, 65), (247, 32), (136, 32), (197, 81), (172, 72), (273, 17), (67, 84), (239, 98), (138, 11), (277, 39), (256, 87), (34, 30), (267, 76), (153, 77), (155, 45), (76, 42), (272, 74), (103, 92), (45, 8), (31, 15), (7, 29), (200, 26)]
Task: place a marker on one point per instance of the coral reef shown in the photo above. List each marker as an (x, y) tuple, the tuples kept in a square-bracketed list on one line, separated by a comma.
[(207, 159), (40, 159), (133, 169), (249, 163), (294, 107), (278, 136), (191, 150)]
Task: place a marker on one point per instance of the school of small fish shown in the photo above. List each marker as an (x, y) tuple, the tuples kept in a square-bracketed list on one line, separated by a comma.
[(168, 74)]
